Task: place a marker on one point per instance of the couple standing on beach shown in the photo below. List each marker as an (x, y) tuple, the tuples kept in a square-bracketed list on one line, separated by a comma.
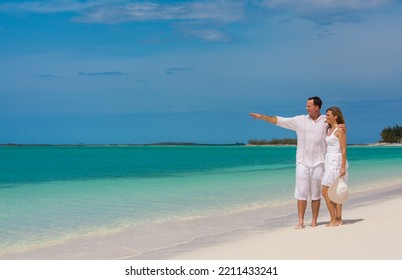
[(320, 157)]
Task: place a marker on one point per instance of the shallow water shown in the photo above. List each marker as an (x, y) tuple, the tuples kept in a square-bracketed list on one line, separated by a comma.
[(54, 194)]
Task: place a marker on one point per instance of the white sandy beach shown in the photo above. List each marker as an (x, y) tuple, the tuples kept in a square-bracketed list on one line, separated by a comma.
[(371, 232)]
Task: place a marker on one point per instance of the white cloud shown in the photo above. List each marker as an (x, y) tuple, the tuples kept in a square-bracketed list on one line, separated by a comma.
[(115, 11), (220, 11), (204, 33), (316, 5), (327, 11), (55, 6), (198, 19)]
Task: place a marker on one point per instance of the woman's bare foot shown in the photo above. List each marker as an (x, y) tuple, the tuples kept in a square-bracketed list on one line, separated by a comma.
[(299, 227), (339, 221), (332, 224)]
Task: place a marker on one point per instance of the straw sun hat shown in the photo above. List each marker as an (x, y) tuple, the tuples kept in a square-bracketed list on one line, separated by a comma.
[(338, 192)]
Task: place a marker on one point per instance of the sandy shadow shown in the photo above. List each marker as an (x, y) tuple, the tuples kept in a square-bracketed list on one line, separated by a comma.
[(352, 221)]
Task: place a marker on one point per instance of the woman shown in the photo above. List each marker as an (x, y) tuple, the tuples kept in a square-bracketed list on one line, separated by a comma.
[(335, 161)]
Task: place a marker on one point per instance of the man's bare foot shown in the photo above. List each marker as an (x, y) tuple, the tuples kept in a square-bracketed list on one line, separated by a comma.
[(313, 224), (332, 224), (299, 227)]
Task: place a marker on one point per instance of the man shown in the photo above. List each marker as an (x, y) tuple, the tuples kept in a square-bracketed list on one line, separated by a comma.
[(311, 148)]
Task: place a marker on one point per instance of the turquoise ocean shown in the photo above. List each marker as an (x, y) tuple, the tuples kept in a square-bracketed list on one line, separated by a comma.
[(51, 194)]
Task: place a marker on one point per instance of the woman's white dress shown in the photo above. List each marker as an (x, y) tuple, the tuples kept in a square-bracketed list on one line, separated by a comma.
[(333, 160)]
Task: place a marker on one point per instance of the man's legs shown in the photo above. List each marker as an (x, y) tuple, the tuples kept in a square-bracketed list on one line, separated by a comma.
[(308, 183), (301, 210), (302, 191), (316, 191), (315, 208)]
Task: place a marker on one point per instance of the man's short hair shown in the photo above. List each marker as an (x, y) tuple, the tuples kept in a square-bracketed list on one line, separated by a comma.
[(317, 101)]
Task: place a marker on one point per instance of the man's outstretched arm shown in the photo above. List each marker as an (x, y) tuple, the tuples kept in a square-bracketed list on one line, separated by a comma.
[(271, 119)]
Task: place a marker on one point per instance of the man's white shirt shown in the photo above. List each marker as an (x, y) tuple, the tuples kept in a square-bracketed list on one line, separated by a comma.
[(311, 147)]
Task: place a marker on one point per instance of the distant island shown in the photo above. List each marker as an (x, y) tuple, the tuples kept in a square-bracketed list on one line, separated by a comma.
[(284, 141), (189, 144), (124, 144), (389, 135), (254, 142)]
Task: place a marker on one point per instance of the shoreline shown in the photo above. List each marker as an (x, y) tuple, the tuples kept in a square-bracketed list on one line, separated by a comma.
[(183, 144), (212, 237)]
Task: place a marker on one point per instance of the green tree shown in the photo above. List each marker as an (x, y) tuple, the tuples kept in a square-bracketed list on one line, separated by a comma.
[(392, 134)]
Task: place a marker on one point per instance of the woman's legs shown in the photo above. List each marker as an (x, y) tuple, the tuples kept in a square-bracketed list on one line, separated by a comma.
[(331, 207), (338, 214)]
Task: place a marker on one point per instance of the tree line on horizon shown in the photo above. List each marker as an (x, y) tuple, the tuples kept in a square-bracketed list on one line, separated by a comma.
[(284, 141), (392, 134)]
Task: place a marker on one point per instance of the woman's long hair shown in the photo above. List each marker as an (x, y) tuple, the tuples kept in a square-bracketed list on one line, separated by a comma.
[(337, 112)]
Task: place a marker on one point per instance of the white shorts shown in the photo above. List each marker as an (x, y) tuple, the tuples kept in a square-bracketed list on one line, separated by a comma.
[(308, 181)]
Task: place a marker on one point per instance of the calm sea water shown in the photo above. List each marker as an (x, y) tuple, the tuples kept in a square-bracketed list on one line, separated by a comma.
[(55, 193)]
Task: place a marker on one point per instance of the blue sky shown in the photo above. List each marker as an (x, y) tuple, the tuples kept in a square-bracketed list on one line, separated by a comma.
[(190, 71)]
